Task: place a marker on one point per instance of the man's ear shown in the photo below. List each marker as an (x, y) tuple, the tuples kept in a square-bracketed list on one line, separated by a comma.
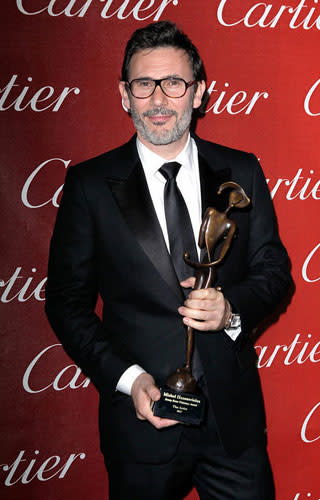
[(197, 98), (124, 95)]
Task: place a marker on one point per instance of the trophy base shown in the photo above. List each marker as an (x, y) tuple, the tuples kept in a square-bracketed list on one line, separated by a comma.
[(182, 406)]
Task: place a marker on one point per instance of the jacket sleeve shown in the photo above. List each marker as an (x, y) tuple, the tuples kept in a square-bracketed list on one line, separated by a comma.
[(72, 289), (267, 279)]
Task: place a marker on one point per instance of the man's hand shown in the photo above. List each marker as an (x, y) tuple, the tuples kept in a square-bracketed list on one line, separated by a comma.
[(205, 309), (144, 392)]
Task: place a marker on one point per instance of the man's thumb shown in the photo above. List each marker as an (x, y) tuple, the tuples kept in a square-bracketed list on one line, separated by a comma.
[(153, 392)]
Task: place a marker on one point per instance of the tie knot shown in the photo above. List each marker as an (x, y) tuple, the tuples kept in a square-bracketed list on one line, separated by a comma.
[(170, 170)]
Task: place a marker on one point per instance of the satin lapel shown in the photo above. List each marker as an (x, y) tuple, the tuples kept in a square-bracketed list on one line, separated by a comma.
[(210, 180), (133, 198)]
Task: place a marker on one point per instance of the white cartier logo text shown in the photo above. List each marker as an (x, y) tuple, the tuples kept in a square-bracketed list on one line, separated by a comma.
[(42, 471), (305, 268), (233, 103), (20, 97), (308, 436), (306, 496), (268, 15), (122, 9), (300, 186), (43, 169), (298, 352), (68, 377), (23, 290), (308, 100)]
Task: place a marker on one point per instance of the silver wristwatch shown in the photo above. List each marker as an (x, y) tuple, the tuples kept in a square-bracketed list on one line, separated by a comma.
[(235, 321)]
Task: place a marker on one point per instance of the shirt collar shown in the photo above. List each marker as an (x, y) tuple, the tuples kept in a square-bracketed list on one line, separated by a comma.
[(151, 162)]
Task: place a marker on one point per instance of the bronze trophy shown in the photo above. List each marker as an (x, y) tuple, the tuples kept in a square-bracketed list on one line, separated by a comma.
[(180, 399)]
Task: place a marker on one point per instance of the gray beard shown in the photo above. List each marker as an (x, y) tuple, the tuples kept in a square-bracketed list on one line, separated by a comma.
[(162, 137)]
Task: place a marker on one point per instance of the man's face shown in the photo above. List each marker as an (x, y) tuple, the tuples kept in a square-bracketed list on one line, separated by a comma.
[(159, 119)]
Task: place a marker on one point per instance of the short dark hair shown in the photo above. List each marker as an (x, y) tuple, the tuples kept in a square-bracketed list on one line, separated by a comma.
[(162, 34)]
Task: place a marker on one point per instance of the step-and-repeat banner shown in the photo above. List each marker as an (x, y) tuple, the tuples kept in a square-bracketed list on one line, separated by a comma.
[(59, 105)]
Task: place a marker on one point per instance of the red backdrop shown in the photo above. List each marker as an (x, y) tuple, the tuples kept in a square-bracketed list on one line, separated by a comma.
[(60, 105)]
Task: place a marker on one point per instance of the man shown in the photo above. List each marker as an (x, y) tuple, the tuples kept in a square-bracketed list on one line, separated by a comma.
[(114, 236)]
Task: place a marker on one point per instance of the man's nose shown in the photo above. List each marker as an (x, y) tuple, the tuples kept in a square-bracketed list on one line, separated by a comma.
[(158, 98)]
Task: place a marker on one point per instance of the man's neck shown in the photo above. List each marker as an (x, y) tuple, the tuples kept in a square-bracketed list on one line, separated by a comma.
[(167, 151)]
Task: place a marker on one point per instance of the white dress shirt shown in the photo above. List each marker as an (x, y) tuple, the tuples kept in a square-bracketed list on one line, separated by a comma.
[(188, 181)]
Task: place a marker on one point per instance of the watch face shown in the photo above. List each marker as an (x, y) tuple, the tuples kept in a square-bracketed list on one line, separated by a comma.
[(235, 321)]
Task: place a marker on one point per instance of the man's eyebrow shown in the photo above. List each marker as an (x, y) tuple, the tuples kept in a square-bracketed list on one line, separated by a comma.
[(162, 78)]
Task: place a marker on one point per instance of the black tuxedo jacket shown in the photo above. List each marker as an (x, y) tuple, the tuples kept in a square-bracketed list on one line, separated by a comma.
[(107, 241)]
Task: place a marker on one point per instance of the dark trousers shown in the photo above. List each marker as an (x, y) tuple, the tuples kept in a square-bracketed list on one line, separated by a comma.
[(200, 461)]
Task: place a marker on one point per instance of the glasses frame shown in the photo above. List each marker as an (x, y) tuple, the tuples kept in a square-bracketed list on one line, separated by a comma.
[(158, 82)]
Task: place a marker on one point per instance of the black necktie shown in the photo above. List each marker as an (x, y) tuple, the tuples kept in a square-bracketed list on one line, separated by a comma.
[(180, 232)]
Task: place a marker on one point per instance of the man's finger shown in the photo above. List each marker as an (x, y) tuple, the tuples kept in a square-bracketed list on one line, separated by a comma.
[(188, 283), (202, 326), (205, 293), (161, 423), (158, 422), (204, 305), (201, 314)]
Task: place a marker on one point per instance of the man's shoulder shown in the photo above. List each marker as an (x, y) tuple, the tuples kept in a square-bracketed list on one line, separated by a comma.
[(110, 163), (219, 151)]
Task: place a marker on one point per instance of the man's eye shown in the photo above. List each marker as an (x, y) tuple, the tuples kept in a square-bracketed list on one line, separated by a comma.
[(144, 83), (173, 83)]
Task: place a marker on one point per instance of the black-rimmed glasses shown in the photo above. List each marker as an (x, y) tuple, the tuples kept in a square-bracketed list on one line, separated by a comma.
[(141, 88)]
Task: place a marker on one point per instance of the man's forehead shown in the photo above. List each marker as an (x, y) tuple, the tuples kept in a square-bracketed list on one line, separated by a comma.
[(159, 62)]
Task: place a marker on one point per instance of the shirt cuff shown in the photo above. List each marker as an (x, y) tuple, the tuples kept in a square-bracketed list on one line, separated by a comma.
[(128, 377), (233, 332)]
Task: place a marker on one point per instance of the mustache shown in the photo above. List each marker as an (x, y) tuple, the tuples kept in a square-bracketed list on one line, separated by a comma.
[(160, 111)]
